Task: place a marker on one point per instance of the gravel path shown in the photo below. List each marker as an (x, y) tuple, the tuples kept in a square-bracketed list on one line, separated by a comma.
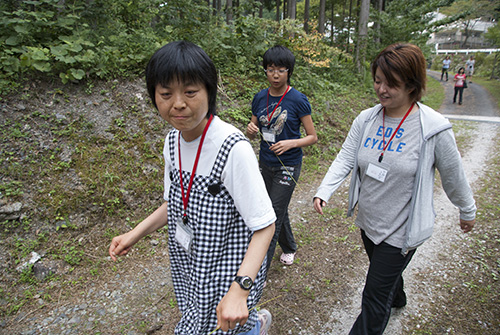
[(427, 260)]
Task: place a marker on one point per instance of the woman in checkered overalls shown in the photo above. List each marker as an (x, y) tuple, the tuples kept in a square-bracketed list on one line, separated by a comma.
[(220, 218)]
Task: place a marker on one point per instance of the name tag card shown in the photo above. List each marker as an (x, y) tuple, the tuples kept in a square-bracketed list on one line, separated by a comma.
[(268, 135), (376, 172), (184, 235)]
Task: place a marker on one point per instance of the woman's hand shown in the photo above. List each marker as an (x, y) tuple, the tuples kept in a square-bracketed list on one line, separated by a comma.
[(467, 226), (318, 205), (232, 309), (121, 245), (252, 128), (282, 146)]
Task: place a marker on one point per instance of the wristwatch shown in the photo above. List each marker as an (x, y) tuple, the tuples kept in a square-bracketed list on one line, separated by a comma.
[(245, 282)]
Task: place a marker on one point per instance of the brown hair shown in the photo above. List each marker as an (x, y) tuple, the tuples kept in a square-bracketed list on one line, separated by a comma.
[(405, 61)]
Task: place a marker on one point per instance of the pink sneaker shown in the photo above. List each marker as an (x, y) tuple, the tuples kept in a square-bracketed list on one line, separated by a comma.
[(287, 259), (265, 319)]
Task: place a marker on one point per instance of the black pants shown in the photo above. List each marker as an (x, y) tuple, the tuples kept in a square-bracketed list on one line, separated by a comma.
[(460, 91), (443, 71), (280, 186), (384, 283)]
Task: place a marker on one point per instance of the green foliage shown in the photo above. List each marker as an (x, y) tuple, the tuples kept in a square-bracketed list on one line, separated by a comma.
[(492, 85), (40, 36), (404, 21), (11, 189), (81, 40), (493, 35), (472, 9), (434, 94), (71, 253), (47, 37), (239, 49)]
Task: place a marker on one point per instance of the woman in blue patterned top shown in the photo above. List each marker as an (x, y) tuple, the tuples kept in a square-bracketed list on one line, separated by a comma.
[(277, 114)]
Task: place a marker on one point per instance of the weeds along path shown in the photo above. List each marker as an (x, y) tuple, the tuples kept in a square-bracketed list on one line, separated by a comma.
[(436, 254)]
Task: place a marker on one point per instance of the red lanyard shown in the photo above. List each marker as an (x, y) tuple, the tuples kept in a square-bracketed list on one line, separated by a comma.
[(185, 197), (269, 118), (394, 133)]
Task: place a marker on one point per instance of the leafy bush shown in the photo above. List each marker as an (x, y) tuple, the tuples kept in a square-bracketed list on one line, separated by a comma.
[(38, 36), (104, 39)]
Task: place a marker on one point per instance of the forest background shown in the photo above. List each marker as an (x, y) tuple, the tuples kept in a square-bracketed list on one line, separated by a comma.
[(80, 145)]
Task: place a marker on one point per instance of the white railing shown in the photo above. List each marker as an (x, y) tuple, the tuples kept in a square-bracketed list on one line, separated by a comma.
[(464, 51)]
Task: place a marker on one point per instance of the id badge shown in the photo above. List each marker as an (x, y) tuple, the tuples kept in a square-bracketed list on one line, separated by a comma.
[(184, 235), (377, 172), (268, 135)]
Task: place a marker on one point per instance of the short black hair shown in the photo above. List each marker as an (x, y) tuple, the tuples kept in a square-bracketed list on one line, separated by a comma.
[(279, 56), (184, 62)]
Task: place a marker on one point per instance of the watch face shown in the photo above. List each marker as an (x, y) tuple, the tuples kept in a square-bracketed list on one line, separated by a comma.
[(247, 282)]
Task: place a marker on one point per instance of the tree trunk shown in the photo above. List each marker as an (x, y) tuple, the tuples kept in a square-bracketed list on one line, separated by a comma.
[(469, 25), (278, 10), (348, 38), (214, 8), (321, 24), (380, 7), (292, 9), (306, 16), (362, 35), (332, 17), (229, 11)]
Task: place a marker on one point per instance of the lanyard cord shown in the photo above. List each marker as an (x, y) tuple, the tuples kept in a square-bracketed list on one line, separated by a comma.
[(269, 118), (282, 164), (185, 197), (393, 134)]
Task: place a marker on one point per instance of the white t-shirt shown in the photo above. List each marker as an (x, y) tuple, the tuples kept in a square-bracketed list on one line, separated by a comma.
[(241, 175)]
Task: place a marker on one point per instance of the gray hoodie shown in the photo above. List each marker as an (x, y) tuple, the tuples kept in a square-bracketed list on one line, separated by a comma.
[(438, 150)]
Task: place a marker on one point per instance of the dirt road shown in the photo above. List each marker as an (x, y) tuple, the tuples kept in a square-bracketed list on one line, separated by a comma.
[(428, 260)]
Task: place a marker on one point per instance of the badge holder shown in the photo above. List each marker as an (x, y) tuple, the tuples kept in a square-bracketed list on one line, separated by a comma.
[(268, 135), (377, 171), (184, 234)]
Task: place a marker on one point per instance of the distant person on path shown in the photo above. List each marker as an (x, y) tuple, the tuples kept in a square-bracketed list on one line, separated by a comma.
[(392, 150), (277, 114), (220, 218), (460, 83), (470, 66), (446, 67)]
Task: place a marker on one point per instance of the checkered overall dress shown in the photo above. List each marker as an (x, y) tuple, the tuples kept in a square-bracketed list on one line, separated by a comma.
[(203, 277)]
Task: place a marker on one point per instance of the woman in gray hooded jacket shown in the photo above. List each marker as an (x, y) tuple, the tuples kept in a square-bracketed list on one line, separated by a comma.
[(393, 150)]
